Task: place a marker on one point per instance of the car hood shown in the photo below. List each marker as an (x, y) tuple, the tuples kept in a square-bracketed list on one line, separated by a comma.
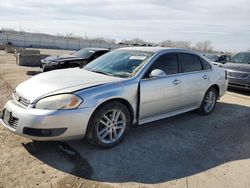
[(237, 67), (61, 81), (61, 58)]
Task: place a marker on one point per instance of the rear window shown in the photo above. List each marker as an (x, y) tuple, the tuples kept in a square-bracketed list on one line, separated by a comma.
[(189, 62), (205, 64)]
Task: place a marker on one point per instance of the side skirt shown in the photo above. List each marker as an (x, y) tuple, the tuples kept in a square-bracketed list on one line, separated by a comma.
[(166, 115)]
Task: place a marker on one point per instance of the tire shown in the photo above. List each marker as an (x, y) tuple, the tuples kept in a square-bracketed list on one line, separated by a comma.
[(45, 68), (209, 102), (103, 128)]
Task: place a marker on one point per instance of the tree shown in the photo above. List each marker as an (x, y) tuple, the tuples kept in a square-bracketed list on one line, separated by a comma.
[(203, 46), (176, 44), (167, 43)]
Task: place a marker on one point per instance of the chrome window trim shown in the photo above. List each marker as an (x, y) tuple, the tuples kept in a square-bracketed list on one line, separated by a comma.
[(179, 74), (157, 54)]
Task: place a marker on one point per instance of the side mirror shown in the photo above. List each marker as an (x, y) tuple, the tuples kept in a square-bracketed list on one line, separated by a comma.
[(156, 73)]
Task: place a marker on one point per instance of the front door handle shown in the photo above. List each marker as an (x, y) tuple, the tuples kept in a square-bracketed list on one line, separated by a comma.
[(205, 77), (175, 82)]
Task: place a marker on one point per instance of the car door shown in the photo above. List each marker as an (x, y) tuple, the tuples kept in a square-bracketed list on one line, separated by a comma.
[(195, 78), (161, 94)]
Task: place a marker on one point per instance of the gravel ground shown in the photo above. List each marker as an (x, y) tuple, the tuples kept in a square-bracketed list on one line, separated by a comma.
[(188, 150)]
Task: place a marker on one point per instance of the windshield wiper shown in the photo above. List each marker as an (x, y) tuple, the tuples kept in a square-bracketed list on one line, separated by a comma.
[(101, 72)]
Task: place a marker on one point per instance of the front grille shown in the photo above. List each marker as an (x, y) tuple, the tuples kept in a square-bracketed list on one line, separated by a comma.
[(238, 74), (13, 121), (9, 119), (24, 102)]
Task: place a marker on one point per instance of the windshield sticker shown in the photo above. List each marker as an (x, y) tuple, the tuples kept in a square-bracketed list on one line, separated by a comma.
[(91, 51), (138, 57)]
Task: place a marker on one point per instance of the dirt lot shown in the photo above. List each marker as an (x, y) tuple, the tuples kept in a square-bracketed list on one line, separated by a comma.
[(185, 151)]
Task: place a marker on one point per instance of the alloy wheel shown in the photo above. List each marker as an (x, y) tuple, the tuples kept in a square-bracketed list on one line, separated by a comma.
[(111, 126), (210, 101)]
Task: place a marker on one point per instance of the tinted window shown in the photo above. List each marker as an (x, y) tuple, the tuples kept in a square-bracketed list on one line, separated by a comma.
[(190, 62), (205, 65), (223, 58), (168, 63), (96, 55)]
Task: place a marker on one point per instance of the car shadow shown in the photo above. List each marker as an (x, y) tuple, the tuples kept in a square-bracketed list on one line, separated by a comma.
[(33, 73), (243, 92), (157, 152)]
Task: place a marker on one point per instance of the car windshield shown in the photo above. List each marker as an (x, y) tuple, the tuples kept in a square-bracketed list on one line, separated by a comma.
[(243, 58), (120, 63), (84, 53)]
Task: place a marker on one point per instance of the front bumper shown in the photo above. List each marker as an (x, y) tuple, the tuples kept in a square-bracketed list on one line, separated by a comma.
[(243, 84), (46, 125)]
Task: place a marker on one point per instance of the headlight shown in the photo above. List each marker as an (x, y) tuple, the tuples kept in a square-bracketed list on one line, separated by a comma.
[(56, 102)]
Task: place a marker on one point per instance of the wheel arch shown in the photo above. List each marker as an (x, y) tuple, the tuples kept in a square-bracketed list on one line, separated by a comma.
[(217, 88), (121, 100)]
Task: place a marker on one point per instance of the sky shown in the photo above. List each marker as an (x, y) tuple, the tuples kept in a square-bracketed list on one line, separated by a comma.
[(226, 23)]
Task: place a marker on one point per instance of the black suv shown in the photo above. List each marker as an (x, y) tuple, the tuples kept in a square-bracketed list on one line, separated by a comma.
[(79, 58)]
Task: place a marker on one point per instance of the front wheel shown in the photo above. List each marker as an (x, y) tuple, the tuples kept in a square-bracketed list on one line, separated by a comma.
[(45, 68), (109, 124), (209, 102)]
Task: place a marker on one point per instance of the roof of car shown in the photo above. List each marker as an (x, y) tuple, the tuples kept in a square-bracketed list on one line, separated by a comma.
[(158, 49), (146, 49), (97, 49)]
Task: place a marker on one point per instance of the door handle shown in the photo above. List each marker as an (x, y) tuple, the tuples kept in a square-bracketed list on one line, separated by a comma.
[(175, 82), (205, 77)]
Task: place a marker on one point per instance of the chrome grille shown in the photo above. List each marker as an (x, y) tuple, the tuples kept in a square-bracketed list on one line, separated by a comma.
[(24, 102), (13, 121), (238, 74)]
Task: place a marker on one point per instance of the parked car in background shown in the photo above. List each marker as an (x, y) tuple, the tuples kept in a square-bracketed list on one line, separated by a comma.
[(218, 60), (102, 100), (238, 71), (79, 58)]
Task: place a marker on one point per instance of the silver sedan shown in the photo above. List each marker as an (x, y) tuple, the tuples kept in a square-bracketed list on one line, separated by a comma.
[(103, 99)]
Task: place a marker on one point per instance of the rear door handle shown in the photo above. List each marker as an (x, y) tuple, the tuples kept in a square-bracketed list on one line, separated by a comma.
[(205, 77), (175, 82)]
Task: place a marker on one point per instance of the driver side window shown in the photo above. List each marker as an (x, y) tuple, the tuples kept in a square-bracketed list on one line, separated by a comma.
[(167, 63)]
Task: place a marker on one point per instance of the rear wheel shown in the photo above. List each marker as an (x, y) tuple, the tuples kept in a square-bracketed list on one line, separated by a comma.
[(109, 124), (209, 102)]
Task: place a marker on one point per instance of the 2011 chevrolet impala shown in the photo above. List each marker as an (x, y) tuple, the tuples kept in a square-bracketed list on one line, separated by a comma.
[(103, 99)]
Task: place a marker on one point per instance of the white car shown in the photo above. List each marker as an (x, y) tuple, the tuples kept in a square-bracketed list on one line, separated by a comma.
[(123, 87)]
